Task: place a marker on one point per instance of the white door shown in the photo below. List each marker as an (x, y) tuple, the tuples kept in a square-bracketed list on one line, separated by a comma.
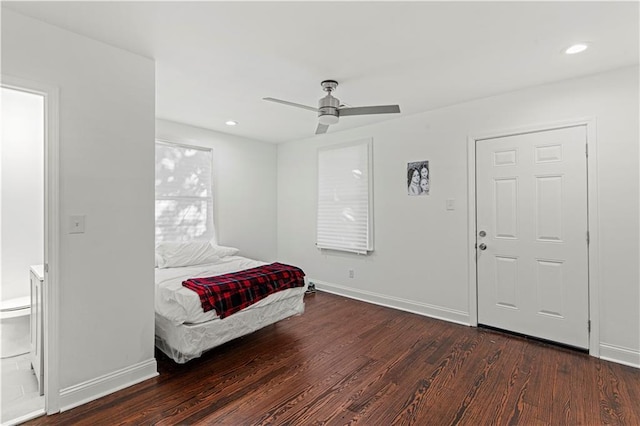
[(531, 213)]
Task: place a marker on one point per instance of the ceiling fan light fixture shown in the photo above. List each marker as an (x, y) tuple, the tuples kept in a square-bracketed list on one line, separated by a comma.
[(328, 119)]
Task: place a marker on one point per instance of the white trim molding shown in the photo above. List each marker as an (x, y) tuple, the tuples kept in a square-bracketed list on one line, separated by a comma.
[(619, 354), (424, 309), (93, 389), (593, 221)]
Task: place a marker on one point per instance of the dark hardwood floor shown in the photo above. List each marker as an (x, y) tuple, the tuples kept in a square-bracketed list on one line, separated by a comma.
[(348, 362)]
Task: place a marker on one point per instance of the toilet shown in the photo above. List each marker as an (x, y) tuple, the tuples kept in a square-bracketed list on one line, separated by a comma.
[(15, 327)]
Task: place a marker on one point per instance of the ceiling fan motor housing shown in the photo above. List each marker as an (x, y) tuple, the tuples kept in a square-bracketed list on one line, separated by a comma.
[(328, 109)]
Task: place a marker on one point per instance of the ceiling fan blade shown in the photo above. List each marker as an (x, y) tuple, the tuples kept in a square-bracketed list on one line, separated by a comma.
[(322, 128), (291, 104), (380, 109)]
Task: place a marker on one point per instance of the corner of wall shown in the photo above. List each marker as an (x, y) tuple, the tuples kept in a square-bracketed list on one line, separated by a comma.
[(93, 389)]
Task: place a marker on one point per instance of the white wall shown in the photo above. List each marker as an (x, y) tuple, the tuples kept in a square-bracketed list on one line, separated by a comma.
[(244, 187), (420, 259), (106, 137), (22, 190)]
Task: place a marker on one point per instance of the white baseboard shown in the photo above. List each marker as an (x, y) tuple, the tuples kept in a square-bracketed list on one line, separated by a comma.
[(620, 355), (424, 309), (104, 385)]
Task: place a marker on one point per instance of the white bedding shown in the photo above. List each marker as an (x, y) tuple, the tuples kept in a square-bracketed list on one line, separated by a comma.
[(180, 305)]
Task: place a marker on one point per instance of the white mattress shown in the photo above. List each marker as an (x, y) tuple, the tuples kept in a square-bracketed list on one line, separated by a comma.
[(187, 341), (184, 330), (180, 305)]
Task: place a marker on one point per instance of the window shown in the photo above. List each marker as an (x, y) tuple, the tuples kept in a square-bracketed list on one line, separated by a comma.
[(345, 202), (184, 201)]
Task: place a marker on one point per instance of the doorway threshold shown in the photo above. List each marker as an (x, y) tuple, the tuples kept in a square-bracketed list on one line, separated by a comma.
[(533, 338)]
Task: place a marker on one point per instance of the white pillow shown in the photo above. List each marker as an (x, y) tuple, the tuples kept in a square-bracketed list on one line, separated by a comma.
[(176, 254), (224, 251)]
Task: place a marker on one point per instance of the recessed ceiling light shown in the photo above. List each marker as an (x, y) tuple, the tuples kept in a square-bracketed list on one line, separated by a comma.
[(576, 48), (230, 123)]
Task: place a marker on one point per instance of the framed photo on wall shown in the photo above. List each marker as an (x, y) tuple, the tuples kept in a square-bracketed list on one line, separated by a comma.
[(418, 178)]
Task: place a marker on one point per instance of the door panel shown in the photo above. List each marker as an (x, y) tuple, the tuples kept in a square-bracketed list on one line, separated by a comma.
[(506, 217), (551, 287), (531, 193), (506, 281), (548, 211)]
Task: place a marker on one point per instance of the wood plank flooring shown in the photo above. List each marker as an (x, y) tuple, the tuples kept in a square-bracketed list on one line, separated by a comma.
[(346, 362)]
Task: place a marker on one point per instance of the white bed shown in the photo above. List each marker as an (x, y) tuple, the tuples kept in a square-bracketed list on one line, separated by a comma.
[(184, 331)]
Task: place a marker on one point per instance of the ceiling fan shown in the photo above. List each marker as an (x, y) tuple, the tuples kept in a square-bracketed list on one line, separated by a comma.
[(330, 110)]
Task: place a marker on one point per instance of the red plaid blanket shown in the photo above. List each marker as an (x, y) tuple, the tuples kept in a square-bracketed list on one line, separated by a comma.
[(230, 293)]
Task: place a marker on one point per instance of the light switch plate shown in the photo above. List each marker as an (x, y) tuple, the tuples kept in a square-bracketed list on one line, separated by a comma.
[(451, 204), (76, 224)]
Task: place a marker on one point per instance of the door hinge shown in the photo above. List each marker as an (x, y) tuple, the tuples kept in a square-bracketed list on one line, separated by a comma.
[(589, 326), (46, 267), (588, 238)]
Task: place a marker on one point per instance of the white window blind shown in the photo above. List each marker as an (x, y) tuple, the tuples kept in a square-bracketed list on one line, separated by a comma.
[(344, 220), (184, 201)]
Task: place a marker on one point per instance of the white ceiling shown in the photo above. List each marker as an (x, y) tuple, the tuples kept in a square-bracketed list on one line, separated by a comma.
[(215, 61)]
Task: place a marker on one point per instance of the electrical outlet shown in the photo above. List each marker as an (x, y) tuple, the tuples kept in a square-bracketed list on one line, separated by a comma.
[(351, 273)]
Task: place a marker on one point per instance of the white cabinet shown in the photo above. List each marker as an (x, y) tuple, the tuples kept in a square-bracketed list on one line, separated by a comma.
[(37, 317)]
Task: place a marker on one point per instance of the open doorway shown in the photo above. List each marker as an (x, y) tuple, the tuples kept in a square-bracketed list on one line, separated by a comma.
[(22, 252), (29, 231)]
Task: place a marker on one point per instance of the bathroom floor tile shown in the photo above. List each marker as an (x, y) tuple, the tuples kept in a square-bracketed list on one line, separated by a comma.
[(21, 408), (30, 386), (9, 364), (20, 395), (11, 392), (24, 364)]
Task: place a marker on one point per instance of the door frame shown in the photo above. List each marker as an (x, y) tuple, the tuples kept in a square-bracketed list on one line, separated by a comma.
[(51, 233), (592, 217)]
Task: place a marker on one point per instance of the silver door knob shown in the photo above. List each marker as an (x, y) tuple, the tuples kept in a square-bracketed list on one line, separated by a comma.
[(482, 246)]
